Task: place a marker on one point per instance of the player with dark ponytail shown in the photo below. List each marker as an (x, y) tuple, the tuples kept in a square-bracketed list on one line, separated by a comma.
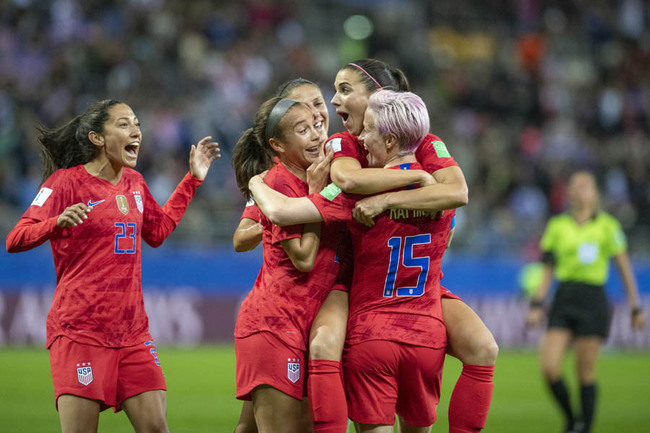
[(95, 210)]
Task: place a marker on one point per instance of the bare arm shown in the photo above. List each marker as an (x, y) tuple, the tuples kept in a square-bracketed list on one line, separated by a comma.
[(624, 266), (248, 235), (280, 209), (348, 175), (302, 251), (448, 192), (536, 313)]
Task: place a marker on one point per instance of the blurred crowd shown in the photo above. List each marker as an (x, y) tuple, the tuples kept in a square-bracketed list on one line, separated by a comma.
[(523, 92)]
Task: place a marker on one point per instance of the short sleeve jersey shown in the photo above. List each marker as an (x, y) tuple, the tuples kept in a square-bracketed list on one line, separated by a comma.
[(582, 252), (283, 300), (251, 211), (395, 293), (98, 298), (432, 154)]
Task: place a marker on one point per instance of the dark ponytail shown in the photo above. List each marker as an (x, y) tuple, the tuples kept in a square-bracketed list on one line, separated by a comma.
[(253, 154), (376, 74), (69, 145)]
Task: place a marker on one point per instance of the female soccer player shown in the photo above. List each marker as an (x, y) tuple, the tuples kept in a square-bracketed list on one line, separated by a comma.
[(248, 233), (324, 357), (468, 338), (401, 329), (577, 247), (271, 334), (95, 209)]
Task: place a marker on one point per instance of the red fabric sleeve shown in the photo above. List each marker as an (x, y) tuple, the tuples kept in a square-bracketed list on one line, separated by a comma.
[(345, 144), (30, 233), (333, 209), (429, 158), (159, 222), (252, 212)]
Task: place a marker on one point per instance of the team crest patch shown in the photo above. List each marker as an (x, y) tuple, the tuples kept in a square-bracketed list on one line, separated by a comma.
[(293, 370), (41, 197), (84, 373), (122, 204), (138, 202)]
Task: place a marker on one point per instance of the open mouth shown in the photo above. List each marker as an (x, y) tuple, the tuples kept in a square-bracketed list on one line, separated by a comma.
[(318, 125), (132, 149), (312, 150), (343, 115)]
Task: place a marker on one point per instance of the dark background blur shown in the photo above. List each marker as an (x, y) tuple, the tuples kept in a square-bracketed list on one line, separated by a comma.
[(522, 92)]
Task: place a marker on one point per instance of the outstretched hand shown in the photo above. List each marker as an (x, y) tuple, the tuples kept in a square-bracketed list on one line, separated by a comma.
[(202, 155)]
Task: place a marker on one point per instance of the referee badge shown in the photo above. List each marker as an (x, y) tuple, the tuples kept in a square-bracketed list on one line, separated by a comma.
[(84, 373), (293, 370)]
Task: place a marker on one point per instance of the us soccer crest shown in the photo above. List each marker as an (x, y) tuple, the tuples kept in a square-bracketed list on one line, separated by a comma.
[(293, 370), (84, 373), (122, 204), (138, 202)]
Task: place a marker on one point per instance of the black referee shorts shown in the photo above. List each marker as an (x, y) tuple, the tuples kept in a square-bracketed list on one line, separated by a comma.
[(581, 308)]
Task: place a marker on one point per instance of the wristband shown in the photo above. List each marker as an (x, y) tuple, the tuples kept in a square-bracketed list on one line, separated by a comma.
[(636, 310), (535, 303)]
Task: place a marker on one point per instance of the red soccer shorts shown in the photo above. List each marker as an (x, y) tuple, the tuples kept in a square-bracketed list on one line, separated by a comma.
[(109, 375), (264, 359), (384, 378)]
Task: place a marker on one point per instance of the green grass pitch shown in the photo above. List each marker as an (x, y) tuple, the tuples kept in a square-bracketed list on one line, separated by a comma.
[(201, 393)]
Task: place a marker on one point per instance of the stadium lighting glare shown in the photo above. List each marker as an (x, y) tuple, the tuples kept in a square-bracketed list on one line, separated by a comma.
[(358, 27)]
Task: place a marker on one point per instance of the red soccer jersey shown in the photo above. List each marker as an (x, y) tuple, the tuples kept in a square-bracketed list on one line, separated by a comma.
[(98, 298), (432, 153), (251, 211), (283, 300), (395, 293)]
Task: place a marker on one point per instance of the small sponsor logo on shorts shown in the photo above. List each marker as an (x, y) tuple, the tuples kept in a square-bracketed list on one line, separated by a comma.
[(293, 369), (84, 373)]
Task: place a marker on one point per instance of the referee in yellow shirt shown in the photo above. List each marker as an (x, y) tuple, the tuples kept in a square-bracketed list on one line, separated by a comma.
[(577, 247)]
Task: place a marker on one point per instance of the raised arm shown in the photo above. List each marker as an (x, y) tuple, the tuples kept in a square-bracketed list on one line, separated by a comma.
[(280, 209), (347, 173)]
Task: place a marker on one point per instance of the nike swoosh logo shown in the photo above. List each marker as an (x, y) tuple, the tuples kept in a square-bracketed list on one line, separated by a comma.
[(91, 204)]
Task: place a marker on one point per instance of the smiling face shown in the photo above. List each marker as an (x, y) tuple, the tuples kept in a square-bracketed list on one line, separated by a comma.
[(121, 137), (300, 142), (351, 99), (313, 98), (375, 144)]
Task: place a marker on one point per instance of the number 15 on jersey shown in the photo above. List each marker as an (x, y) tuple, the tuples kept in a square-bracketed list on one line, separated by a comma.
[(401, 251)]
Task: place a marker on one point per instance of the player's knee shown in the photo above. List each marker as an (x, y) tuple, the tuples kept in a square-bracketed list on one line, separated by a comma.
[(483, 350), (488, 351), (325, 345)]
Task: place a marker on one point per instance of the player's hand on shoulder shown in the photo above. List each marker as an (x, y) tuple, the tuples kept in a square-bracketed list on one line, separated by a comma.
[(73, 215), (201, 156), (366, 209), (427, 179)]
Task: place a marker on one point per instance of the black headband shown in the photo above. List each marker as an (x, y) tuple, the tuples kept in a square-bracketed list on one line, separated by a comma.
[(279, 110)]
